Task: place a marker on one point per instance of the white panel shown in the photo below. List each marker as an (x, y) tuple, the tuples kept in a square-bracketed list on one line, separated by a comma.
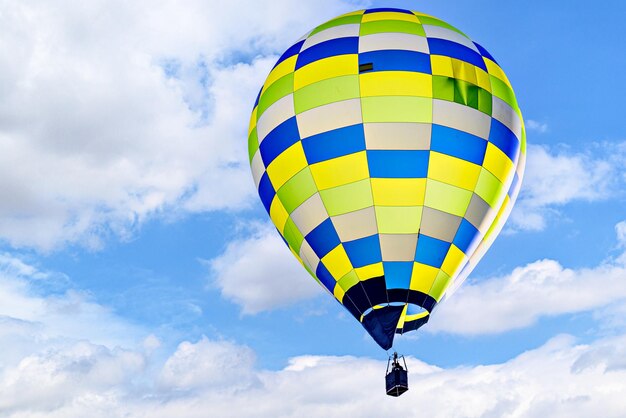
[(398, 247), (504, 113), (357, 224), (438, 224), (328, 117), (277, 113), (399, 136), (341, 31), (309, 214), (258, 168), (461, 117), (308, 256), (404, 41), (450, 35)]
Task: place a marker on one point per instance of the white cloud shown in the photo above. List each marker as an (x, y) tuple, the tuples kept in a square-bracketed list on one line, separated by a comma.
[(207, 364), (30, 321), (259, 273), (559, 379), (553, 179), (519, 299), (113, 112), (536, 126)]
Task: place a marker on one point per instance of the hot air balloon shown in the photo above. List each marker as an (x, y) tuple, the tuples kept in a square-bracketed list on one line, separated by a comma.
[(388, 149)]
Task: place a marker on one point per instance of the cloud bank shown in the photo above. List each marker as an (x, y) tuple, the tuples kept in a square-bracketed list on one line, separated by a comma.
[(113, 113)]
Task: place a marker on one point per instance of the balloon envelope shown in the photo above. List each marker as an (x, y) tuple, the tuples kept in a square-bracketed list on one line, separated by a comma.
[(388, 149)]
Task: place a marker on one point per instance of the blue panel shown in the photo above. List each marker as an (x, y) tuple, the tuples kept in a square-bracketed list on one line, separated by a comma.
[(458, 144), (381, 325), (467, 236), (338, 46), (293, 50), (398, 274), (485, 53), (266, 191), (279, 139), (454, 50), (398, 163), (281, 237), (513, 185), (335, 143), (325, 277), (363, 251), (431, 251), (323, 238), (258, 96), (503, 138), (387, 9), (397, 60)]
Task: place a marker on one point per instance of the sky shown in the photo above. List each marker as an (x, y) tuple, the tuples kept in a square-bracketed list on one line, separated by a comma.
[(139, 274)]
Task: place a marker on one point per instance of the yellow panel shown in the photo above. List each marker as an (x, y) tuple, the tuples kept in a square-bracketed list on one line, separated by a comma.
[(414, 317), (396, 83), (464, 71), (339, 293), (282, 69), (495, 70), (367, 272), (418, 14), (252, 121), (455, 259), (371, 17), (286, 165), (339, 171), (441, 65), (398, 192), (326, 68), (400, 324), (279, 214), (497, 163), (423, 277), (482, 77), (452, 170), (337, 262)]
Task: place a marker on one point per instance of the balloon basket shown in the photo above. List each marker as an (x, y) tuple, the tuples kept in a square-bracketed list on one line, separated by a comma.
[(396, 378)]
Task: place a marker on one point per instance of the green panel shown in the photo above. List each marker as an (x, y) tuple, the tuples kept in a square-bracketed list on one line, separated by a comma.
[(398, 219), (425, 20), (447, 198), (253, 143), (489, 188), (441, 283), (279, 89), (397, 109), (402, 26), (485, 101), (500, 89), (348, 198), (298, 189), (293, 236), (345, 20), (443, 88), (466, 93), (349, 280), (326, 91)]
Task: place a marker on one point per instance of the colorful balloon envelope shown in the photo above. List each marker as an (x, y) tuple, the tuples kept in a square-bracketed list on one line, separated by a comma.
[(388, 149)]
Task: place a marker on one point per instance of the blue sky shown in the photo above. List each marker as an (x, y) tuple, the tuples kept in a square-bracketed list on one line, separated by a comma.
[(137, 264)]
